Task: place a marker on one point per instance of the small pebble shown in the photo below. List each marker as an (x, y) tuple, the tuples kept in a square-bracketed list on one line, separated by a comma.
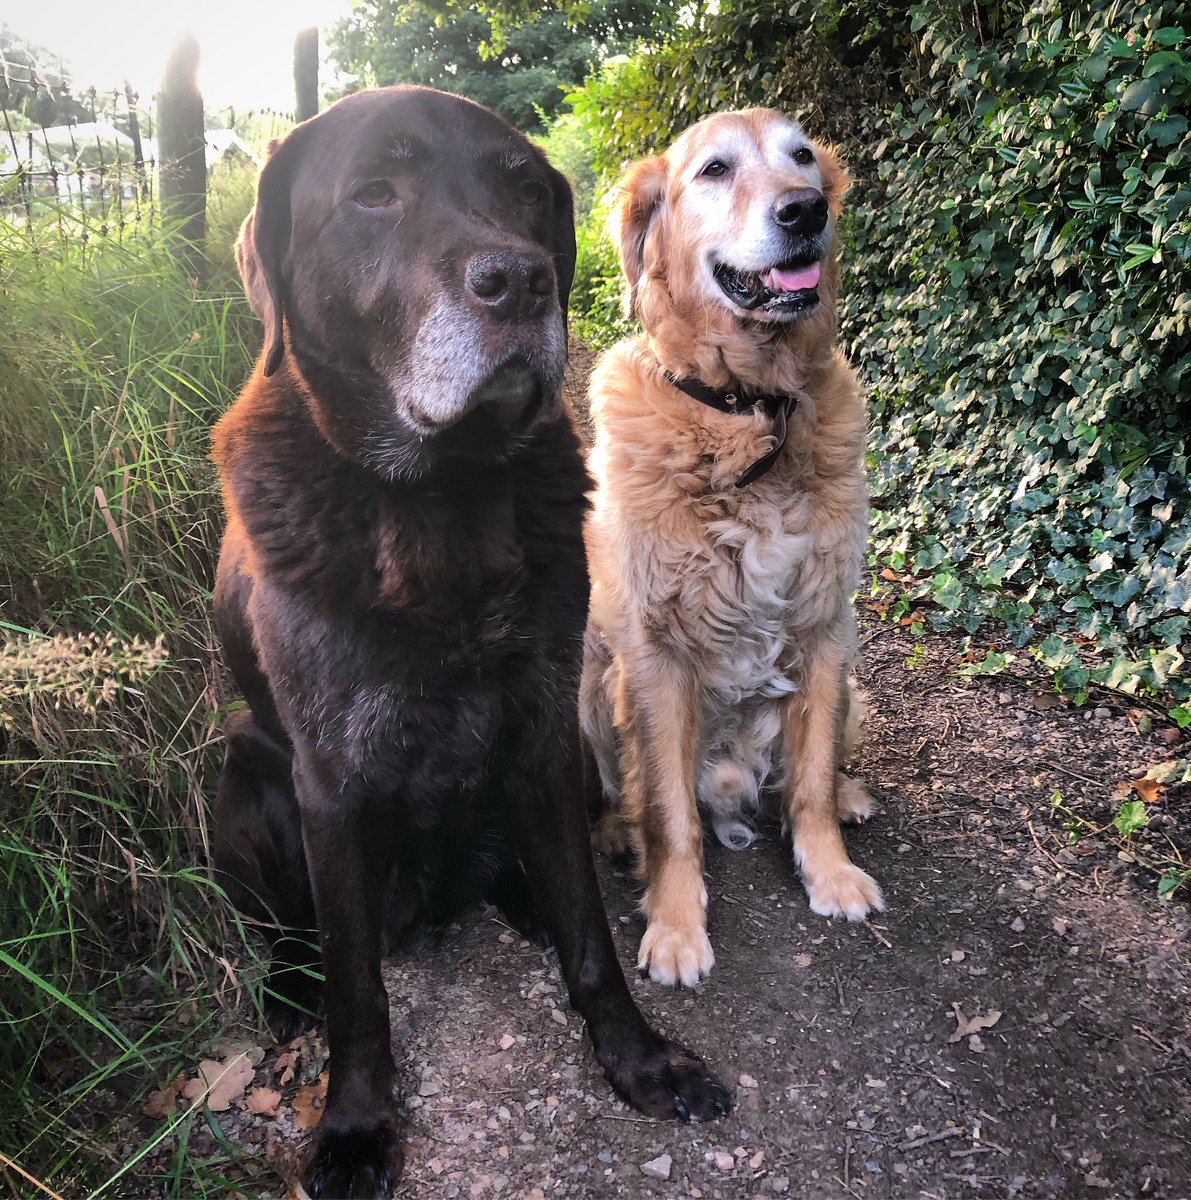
[(724, 1161), (657, 1168), (507, 1041), (747, 1081)]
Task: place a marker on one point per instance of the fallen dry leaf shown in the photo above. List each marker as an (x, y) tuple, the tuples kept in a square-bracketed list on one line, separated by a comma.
[(309, 1103), (218, 1084), (966, 1026), (802, 960), (263, 1101), (162, 1103), (1150, 790), (285, 1067), (1060, 926)]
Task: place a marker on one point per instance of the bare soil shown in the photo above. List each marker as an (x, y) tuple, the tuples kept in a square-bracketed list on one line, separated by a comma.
[(840, 1040)]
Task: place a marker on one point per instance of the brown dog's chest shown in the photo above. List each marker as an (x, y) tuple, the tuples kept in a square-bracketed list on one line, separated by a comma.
[(443, 559)]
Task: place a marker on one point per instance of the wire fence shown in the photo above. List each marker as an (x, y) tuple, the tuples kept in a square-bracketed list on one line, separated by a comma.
[(97, 173)]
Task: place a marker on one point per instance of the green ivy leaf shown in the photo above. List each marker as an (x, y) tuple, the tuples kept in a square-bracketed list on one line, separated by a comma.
[(1132, 817)]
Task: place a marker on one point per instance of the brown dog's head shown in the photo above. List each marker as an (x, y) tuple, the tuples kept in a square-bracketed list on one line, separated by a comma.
[(410, 255), (733, 226)]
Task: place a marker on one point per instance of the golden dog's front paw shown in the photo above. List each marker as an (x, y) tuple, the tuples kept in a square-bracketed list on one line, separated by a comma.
[(853, 801), (845, 891), (672, 955)]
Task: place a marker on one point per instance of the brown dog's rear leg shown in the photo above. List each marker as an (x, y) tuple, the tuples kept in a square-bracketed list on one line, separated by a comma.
[(256, 845), (553, 838), (349, 845)]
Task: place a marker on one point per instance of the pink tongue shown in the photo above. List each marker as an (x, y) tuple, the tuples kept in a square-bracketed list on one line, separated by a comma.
[(793, 281)]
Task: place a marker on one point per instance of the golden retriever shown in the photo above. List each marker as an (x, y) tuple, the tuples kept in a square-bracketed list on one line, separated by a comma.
[(728, 526)]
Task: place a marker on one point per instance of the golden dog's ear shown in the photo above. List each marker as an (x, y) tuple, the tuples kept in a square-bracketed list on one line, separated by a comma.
[(642, 188), (836, 179), (263, 247)]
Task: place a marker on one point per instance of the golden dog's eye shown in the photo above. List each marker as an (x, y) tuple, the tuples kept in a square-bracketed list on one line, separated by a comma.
[(804, 155), (377, 194), (714, 169)]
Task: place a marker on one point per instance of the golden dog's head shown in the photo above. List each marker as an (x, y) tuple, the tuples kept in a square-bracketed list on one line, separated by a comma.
[(735, 225)]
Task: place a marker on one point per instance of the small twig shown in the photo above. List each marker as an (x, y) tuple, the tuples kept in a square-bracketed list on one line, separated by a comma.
[(846, 1187), (839, 987), (879, 936), (1047, 854), (941, 1136), (1058, 766), (1145, 1033)]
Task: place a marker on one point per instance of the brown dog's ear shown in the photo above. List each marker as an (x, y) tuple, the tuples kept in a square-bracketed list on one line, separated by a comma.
[(836, 179), (262, 250), (642, 189), (562, 237)]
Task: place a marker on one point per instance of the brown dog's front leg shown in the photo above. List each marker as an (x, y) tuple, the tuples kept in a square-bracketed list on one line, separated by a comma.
[(553, 839), (357, 1149)]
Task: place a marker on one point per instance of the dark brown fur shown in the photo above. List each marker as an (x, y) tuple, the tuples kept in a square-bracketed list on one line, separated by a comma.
[(402, 591)]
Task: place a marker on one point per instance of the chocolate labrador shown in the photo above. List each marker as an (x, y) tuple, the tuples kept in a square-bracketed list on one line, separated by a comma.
[(402, 592)]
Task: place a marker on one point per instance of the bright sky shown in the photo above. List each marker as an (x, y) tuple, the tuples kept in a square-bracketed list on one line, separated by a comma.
[(246, 45)]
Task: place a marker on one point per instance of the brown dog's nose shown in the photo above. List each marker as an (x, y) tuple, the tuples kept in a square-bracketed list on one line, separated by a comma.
[(511, 284), (803, 210)]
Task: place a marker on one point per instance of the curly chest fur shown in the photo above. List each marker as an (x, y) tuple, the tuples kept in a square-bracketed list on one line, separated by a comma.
[(724, 577)]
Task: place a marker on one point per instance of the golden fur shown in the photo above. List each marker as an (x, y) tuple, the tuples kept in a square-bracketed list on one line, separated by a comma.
[(721, 632)]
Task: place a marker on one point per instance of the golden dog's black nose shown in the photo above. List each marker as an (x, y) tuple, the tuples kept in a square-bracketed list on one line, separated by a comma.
[(512, 285), (803, 210)]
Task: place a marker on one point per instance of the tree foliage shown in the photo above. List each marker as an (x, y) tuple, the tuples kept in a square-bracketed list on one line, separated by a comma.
[(520, 70), (36, 83)]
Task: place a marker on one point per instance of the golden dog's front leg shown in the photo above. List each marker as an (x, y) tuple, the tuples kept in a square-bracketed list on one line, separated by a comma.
[(814, 726), (659, 716)]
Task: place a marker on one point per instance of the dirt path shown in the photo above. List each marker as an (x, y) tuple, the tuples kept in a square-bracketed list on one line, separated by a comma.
[(840, 1039)]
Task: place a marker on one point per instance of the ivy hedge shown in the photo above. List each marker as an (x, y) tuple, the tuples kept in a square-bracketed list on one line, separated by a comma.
[(1018, 294)]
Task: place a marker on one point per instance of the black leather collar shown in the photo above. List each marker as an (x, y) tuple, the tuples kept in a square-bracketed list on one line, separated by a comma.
[(778, 409)]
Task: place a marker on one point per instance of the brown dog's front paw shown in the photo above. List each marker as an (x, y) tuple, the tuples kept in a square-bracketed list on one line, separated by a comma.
[(669, 1081), (354, 1164)]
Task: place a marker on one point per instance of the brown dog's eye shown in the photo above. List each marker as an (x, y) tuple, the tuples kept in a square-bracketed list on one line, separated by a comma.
[(377, 194), (715, 169), (532, 192), (804, 155)]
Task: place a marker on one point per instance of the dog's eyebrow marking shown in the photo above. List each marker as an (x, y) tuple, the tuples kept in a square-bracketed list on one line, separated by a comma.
[(513, 160)]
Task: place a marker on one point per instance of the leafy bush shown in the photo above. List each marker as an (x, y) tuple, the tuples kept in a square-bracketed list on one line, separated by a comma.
[(1018, 293)]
